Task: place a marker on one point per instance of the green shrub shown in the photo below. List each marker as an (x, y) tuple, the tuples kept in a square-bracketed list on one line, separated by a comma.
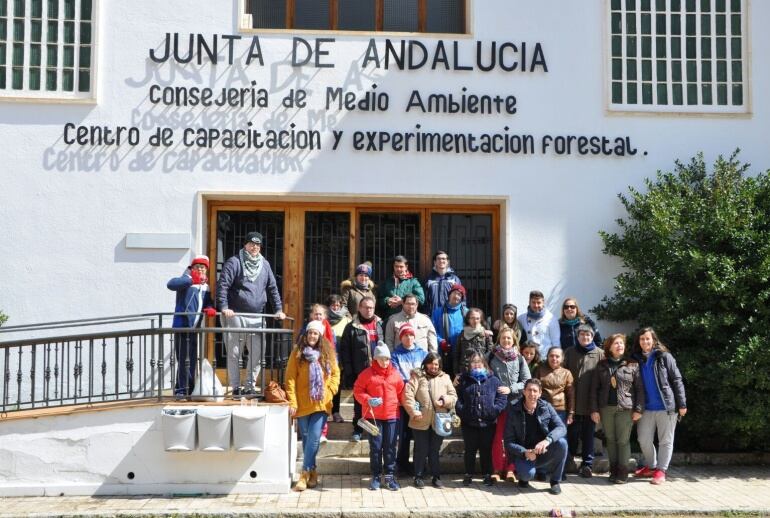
[(3, 318), (696, 254)]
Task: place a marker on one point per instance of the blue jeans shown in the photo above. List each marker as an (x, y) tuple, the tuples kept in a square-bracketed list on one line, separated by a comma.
[(404, 440), (310, 427), (552, 461), (382, 448), (186, 356), (582, 429)]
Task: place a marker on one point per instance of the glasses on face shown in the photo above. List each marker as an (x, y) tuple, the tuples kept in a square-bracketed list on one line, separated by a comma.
[(442, 258), (570, 306)]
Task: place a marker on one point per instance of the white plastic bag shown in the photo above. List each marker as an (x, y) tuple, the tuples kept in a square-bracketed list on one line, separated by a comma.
[(207, 386)]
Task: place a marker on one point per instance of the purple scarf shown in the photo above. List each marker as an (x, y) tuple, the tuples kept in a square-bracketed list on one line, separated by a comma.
[(316, 373), (505, 355)]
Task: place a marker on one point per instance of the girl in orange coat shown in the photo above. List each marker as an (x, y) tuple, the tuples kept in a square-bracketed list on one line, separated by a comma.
[(312, 379), (379, 389)]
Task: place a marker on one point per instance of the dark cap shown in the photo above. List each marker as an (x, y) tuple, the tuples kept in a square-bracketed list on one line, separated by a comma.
[(253, 237)]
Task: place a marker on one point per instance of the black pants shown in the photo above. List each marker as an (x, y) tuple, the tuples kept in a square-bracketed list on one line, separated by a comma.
[(336, 402), (478, 439), (427, 444), (404, 441), (582, 429), (186, 356)]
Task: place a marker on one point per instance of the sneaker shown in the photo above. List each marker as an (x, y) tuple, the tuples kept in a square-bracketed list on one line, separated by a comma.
[(180, 396), (586, 472), (323, 439), (419, 483), (374, 485), (337, 418), (467, 479), (236, 393), (658, 477), (495, 478), (555, 488), (391, 483), (436, 482), (249, 393), (356, 437), (488, 480), (643, 472), (524, 484)]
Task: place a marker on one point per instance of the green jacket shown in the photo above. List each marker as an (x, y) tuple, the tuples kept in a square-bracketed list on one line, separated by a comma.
[(389, 288)]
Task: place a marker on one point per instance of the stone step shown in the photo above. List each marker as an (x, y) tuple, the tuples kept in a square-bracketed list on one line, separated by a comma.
[(350, 449), (450, 464)]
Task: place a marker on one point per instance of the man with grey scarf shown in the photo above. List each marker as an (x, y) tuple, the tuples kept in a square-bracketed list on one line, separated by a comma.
[(243, 286)]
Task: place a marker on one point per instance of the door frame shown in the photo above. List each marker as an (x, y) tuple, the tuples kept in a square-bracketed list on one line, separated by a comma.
[(294, 234)]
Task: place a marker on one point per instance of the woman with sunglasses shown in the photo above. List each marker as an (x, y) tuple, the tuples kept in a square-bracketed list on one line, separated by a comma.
[(571, 318)]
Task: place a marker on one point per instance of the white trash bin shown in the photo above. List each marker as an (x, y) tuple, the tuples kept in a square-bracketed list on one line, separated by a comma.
[(249, 428), (214, 425), (178, 428)]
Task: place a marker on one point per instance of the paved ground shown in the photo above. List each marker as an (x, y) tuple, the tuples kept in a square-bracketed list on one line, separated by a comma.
[(691, 490)]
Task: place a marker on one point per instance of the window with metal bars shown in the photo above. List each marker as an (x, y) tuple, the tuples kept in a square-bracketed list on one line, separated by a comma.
[(46, 48), (426, 16), (678, 55)]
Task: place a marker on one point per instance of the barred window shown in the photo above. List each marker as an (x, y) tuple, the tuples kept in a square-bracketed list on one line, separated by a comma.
[(46, 49), (426, 16), (678, 55)]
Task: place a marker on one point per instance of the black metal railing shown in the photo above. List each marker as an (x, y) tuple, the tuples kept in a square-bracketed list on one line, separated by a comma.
[(74, 368)]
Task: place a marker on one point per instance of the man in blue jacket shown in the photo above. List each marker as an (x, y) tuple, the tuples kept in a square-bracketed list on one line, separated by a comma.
[(440, 281), (534, 437), (192, 297), (244, 286)]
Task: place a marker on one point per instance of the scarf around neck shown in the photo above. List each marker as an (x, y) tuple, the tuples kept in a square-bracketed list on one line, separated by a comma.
[(316, 373), (535, 315), (586, 350), (505, 355), (469, 333), (571, 321), (251, 266), (335, 316)]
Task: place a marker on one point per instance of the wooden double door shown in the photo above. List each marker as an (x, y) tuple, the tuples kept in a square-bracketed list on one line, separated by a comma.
[(312, 247)]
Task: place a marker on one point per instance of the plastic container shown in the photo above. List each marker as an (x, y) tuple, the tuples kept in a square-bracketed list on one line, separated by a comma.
[(214, 428), (249, 428), (178, 426)]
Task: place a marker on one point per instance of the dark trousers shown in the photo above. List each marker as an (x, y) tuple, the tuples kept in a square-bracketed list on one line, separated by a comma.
[(382, 448), (478, 439), (336, 402), (186, 356), (356, 416), (551, 463), (582, 429), (404, 440), (427, 444)]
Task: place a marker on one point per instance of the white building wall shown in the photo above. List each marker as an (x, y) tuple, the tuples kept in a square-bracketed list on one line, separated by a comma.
[(63, 224)]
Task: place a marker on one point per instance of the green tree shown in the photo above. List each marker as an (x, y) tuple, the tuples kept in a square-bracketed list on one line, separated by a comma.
[(696, 254), (3, 318)]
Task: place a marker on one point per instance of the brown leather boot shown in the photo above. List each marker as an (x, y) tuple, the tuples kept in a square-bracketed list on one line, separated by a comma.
[(301, 484), (312, 478), (622, 474)]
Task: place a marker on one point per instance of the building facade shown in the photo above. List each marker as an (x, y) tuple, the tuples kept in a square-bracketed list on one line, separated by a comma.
[(138, 134)]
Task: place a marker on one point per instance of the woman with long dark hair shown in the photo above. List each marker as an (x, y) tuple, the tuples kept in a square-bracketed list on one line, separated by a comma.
[(429, 390), (510, 320), (312, 379), (664, 404), (475, 338), (571, 318)]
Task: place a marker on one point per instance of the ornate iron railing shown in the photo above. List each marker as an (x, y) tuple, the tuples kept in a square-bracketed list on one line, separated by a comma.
[(125, 364)]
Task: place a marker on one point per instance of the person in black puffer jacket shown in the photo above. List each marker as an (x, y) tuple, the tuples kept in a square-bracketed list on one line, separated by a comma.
[(478, 405), (571, 318)]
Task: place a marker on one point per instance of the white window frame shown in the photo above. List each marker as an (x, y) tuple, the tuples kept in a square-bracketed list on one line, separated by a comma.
[(25, 94), (699, 108)]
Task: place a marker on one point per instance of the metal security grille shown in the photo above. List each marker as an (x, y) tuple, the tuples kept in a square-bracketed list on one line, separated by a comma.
[(400, 16), (383, 236), (467, 238), (46, 48), (327, 254), (356, 15), (445, 16), (678, 55), (311, 14), (232, 227), (268, 14)]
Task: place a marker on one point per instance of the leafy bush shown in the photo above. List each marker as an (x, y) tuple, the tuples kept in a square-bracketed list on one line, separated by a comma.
[(696, 252), (3, 318)]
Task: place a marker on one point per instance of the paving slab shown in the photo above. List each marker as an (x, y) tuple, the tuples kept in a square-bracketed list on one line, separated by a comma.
[(708, 490)]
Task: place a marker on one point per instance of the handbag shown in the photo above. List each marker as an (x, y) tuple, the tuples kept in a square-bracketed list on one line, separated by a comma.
[(275, 394), (442, 421)]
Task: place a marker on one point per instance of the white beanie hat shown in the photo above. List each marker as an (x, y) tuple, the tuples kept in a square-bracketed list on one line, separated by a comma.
[(315, 325), (381, 351)]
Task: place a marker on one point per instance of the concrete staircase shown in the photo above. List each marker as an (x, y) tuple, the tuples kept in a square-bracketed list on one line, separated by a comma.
[(339, 455)]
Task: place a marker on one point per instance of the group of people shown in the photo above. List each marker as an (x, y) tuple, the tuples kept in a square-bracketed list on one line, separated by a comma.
[(411, 371)]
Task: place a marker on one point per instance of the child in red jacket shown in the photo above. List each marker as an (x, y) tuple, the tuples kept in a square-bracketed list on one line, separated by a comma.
[(379, 389)]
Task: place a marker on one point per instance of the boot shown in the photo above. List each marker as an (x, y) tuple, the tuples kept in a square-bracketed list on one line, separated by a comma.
[(301, 484), (312, 478), (613, 472), (622, 474)]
